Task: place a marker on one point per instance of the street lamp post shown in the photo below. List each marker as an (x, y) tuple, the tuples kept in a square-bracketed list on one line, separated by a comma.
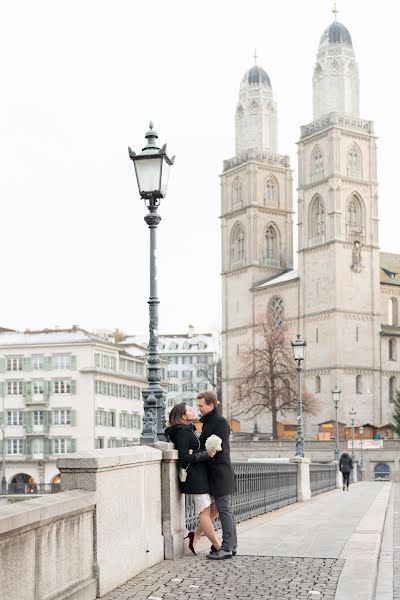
[(298, 351), (352, 414), (336, 397), (362, 463), (152, 169)]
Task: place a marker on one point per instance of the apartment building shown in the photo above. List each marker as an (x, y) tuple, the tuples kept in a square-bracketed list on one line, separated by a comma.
[(63, 391)]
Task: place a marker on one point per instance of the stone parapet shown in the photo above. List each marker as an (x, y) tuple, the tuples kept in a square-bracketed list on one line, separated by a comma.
[(303, 478)]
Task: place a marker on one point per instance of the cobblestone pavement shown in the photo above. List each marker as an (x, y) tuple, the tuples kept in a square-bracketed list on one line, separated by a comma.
[(396, 544), (243, 577)]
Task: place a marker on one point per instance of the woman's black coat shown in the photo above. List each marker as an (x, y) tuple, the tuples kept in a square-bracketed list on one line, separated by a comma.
[(220, 470), (345, 463), (184, 437)]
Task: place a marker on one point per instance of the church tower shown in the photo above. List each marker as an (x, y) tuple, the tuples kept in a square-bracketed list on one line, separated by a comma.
[(338, 237), (256, 216)]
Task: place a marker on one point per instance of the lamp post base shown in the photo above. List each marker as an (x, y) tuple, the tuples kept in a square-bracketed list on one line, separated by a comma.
[(154, 416)]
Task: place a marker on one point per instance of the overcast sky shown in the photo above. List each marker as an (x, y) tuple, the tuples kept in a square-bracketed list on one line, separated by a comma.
[(80, 81)]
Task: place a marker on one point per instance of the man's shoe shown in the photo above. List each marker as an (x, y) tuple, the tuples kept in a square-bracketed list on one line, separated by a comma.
[(220, 555), (234, 552)]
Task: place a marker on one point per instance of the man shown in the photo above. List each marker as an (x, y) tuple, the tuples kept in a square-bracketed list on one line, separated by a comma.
[(220, 472)]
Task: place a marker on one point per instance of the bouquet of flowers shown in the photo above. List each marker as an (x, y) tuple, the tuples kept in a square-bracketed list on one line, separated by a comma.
[(214, 442)]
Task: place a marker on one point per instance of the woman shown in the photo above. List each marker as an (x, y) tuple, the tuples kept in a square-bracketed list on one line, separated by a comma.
[(182, 433), (346, 465)]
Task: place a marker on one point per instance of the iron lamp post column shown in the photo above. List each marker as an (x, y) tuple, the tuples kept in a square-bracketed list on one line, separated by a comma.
[(362, 463), (298, 350), (352, 418), (336, 397), (152, 170)]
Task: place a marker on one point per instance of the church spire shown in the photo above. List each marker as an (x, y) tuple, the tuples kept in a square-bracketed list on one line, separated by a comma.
[(335, 10)]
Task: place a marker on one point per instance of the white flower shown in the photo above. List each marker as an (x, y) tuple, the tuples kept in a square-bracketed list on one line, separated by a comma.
[(214, 443)]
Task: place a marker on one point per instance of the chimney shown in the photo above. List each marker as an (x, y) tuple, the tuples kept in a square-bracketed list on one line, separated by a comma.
[(191, 331)]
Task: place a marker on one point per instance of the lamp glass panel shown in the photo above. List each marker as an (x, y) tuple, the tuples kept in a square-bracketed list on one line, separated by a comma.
[(148, 172), (164, 178), (298, 350)]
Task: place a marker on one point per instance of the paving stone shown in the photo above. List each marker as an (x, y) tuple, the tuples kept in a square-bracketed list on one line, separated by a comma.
[(242, 578)]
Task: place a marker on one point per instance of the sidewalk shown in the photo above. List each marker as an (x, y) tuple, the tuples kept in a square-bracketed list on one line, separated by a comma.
[(325, 548)]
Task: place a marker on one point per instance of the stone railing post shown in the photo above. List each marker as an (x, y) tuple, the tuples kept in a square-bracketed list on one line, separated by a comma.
[(303, 478), (173, 503), (354, 472), (339, 479), (127, 530)]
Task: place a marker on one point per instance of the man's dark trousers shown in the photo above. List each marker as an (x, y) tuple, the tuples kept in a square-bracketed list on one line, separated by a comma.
[(223, 504)]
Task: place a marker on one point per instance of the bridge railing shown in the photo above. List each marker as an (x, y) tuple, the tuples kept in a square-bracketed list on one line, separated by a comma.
[(30, 488), (322, 478), (261, 488)]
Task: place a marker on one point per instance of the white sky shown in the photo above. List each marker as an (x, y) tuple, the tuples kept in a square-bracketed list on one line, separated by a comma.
[(80, 81)]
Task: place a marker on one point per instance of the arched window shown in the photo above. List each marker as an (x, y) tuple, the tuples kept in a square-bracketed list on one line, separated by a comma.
[(354, 162), (276, 312), (359, 385), (237, 191), (392, 389), (271, 191), (238, 245), (317, 384), (392, 349), (382, 471), (353, 213), (271, 249), (317, 163), (317, 218), (393, 312)]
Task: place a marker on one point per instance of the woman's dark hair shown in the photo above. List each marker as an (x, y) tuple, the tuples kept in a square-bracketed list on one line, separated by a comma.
[(176, 414)]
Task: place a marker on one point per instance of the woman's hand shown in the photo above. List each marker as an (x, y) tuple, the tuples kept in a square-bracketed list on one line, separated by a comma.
[(190, 451)]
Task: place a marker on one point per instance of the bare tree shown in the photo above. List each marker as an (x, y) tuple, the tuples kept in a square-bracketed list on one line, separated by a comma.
[(267, 379), (212, 373)]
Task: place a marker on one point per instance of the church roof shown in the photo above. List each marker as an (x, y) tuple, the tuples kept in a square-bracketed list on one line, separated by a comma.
[(389, 268), (336, 33), (277, 279), (256, 76)]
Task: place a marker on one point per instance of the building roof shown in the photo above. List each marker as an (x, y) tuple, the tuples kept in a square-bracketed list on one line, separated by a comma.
[(256, 76), (336, 33), (277, 279), (389, 268), (48, 336)]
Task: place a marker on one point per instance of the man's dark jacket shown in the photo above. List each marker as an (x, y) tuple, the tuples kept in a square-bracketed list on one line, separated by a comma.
[(220, 470)]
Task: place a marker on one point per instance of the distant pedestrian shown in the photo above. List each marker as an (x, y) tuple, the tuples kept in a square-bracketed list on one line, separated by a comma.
[(220, 472), (346, 465)]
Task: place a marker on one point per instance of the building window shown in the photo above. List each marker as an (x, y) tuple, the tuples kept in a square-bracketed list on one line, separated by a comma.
[(61, 361), (15, 363), (317, 384), (15, 446), (317, 218), (392, 389), (100, 443), (15, 388), (187, 374), (271, 192), (276, 312), (187, 360), (173, 346), (173, 360), (317, 163), (173, 387), (393, 312), (354, 212), (271, 244), (202, 360), (238, 245), (60, 446), (172, 374), (186, 346), (38, 387), (37, 362), (359, 384), (14, 417), (392, 350), (354, 162), (62, 386), (62, 417), (38, 417), (237, 191)]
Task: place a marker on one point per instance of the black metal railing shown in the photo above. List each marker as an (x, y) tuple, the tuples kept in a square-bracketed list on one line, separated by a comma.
[(261, 487), (322, 478), (30, 488)]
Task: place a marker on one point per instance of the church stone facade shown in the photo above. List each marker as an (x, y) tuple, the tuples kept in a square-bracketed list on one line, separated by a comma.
[(343, 298)]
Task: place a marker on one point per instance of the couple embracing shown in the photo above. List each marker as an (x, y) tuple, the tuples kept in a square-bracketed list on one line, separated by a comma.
[(209, 474)]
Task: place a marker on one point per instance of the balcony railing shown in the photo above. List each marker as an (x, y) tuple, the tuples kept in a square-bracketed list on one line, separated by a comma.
[(30, 488), (260, 489), (322, 478)]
